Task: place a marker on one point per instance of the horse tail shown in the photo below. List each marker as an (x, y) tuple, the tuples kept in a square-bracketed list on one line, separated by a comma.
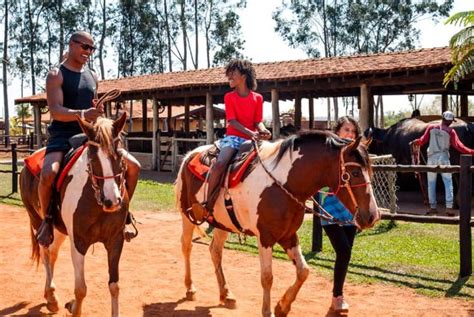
[(35, 249)]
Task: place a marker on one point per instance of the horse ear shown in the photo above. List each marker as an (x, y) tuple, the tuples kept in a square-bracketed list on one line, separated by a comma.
[(120, 123), (86, 127), (368, 139), (354, 144)]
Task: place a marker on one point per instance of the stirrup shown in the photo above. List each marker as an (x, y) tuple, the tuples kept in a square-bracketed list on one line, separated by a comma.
[(197, 214), (129, 235), (45, 233)]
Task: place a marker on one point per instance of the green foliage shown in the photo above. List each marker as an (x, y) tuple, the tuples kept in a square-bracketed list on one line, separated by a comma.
[(354, 27), (462, 47), (153, 196), (393, 117)]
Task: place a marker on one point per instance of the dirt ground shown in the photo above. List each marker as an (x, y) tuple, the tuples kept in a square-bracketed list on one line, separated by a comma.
[(151, 281)]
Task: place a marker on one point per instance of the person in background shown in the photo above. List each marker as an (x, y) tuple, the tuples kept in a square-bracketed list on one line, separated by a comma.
[(341, 237), (441, 137)]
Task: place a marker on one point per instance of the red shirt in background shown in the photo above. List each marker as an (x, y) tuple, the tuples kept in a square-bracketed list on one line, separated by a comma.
[(453, 138), (248, 111)]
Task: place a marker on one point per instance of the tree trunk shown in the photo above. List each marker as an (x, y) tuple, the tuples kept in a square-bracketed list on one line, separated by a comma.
[(102, 39), (5, 79), (208, 41), (196, 30), (32, 49), (168, 35), (59, 7), (185, 34)]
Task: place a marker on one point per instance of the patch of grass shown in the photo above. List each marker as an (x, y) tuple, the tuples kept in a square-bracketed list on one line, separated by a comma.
[(153, 196), (424, 257), (6, 195)]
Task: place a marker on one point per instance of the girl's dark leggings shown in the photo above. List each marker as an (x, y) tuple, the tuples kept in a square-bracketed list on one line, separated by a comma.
[(342, 239)]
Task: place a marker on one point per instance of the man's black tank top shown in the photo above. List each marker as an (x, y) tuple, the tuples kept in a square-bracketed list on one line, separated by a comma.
[(78, 92)]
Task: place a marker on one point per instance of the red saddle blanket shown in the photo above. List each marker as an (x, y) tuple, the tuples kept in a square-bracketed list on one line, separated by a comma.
[(200, 170), (35, 162)]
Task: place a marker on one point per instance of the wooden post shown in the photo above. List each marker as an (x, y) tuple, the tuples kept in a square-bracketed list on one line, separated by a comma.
[(130, 119), (364, 107), (317, 242), (108, 109), (444, 102), (297, 112), (464, 106), (465, 238), (311, 112), (209, 119), (144, 116), (168, 118), (154, 145), (275, 115), (14, 169), (37, 114), (186, 115)]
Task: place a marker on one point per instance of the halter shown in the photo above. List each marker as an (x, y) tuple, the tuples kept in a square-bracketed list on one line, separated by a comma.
[(343, 182), (94, 178)]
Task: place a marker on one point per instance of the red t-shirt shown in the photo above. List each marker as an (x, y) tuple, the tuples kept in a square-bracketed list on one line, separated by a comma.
[(248, 111)]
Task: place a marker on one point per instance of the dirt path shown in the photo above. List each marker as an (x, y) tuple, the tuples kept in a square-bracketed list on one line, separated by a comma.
[(151, 279)]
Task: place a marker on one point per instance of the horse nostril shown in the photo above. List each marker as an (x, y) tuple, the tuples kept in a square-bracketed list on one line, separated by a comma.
[(108, 203)]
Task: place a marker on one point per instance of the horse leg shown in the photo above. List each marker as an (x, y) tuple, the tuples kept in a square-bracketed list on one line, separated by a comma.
[(293, 250), (266, 277), (186, 248), (49, 257), (217, 245), (80, 289), (114, 250)]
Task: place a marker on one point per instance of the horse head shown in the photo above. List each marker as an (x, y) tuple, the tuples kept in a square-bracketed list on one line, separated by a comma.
[(106, 164), (355, 189)]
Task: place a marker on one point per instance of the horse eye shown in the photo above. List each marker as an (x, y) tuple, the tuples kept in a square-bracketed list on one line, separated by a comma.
[(356, 173)]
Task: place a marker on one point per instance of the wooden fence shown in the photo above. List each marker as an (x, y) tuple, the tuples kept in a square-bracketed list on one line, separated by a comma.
[(464, 220)]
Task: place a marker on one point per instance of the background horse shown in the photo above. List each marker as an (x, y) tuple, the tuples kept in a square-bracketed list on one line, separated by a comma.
[(93, 204), (270, 205)]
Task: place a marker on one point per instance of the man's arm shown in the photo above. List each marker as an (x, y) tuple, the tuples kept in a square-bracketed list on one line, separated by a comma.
[(426, 136), (457, 144)]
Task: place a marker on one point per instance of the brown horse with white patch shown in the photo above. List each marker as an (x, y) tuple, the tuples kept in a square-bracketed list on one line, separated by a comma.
[(269, 203), (92, 207)]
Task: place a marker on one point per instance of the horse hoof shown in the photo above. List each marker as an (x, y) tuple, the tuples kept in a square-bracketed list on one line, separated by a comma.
[(52, 307), (69, 305), (279, 312), (230, 303), (191, 295)]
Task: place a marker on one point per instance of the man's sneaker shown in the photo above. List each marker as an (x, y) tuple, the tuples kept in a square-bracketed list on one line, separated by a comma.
[(339, 305), (45, 235), (450, 212), (432, 211)]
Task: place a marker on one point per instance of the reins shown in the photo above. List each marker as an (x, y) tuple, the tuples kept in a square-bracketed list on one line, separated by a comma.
[(324, 214)]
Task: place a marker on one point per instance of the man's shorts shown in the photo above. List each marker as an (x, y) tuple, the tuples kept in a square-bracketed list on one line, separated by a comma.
[(231, 141)]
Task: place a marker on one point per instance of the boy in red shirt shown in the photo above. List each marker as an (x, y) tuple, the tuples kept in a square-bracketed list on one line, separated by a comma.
[(244, 111)]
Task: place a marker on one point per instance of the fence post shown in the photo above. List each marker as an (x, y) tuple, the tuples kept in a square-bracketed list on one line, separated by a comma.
[(465, 239), (14, 169), (317, 241)]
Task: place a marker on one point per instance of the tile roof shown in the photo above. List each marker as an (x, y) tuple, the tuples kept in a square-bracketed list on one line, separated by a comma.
[(279, 71)]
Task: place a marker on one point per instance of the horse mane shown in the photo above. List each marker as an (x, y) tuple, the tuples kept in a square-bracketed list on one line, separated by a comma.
[(328, 138), (104, 128)]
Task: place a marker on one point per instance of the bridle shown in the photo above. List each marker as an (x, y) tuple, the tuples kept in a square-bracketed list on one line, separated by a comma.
[(95, 178), (343, 182)]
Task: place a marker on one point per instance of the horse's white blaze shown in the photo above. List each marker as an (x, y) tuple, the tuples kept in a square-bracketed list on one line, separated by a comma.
[(73, 192), (110, 188), (373, 208)]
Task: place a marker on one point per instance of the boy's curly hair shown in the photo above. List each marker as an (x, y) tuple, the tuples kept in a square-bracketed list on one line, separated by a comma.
[(245, 68)]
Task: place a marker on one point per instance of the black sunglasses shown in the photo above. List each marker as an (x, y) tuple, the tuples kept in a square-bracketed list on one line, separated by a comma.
[(85, 46)]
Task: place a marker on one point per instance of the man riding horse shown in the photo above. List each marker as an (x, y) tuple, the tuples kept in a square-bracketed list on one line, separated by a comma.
[(71, 90)]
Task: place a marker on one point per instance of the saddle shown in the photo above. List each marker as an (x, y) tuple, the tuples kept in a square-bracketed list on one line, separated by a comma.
[(35, 161), (240, 166)]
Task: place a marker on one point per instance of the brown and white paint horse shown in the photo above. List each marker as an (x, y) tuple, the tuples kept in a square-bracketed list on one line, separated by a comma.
[(299, 166), (93, 208)]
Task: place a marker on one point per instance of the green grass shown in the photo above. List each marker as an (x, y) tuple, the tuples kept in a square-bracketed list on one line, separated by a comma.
[(6, 195), (153, 196), (423, 257)]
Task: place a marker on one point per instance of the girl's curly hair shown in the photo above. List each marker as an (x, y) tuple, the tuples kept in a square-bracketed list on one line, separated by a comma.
[(245, 68)]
